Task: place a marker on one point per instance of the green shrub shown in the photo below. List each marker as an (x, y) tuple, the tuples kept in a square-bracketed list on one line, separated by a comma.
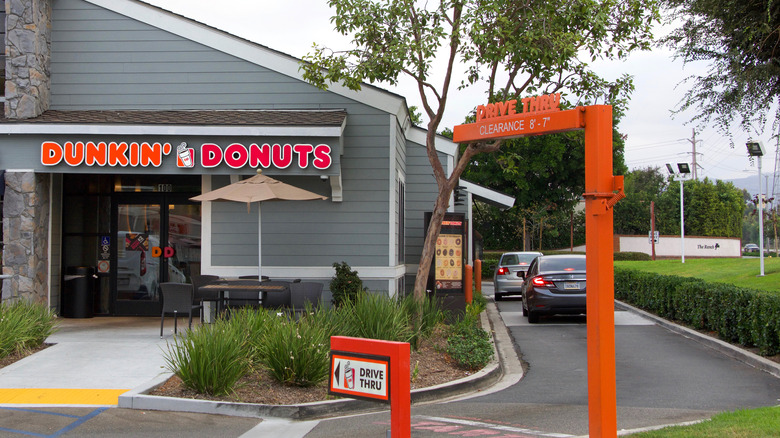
[(632, 256), (745, 316), (489, 262), (296, 353), (211, 359), (346, 286), (469, 345), (24, 326)]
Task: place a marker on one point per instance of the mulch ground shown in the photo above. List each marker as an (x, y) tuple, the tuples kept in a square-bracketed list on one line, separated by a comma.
[(430, 366)]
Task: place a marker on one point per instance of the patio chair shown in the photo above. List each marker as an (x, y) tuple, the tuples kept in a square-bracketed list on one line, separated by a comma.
[(177, 298), (303, 293), (203, 295), (277, 300), (242, 298)]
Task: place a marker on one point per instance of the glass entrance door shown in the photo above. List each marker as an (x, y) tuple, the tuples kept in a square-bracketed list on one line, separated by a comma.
[(157, 240)]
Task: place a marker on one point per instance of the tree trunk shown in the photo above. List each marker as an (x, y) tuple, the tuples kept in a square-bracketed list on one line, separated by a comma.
[(426, 258), (525, 239)]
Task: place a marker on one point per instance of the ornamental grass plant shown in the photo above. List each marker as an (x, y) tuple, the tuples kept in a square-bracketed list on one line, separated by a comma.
[(293, 347), (24, 326), (376, 316), (295, 352), (210, 359)]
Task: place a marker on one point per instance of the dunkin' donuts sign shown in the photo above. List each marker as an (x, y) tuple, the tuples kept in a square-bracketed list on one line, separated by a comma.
[(209, 155)]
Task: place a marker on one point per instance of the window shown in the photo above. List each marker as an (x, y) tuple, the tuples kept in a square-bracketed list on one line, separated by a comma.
[(401, 221)]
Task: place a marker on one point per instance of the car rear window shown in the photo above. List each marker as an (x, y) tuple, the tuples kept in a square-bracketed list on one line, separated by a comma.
[(517, 259), (509, 259), (563, 264)]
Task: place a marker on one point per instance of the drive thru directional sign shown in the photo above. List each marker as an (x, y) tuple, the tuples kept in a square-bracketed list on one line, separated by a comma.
[(360, 376)]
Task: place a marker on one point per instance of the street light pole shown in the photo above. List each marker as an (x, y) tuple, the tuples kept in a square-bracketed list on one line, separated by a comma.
[(760, 220), (682, 220), (756, 149), (683, 170)]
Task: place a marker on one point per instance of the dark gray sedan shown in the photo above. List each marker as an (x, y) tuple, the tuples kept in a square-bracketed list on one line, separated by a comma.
[(554, 284)]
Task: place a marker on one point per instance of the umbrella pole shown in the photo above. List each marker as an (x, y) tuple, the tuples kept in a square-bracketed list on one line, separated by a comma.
[(259, 245)]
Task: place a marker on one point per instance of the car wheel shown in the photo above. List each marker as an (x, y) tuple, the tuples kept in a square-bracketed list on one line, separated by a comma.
[(533, 317), (498, 296), (525, 310)]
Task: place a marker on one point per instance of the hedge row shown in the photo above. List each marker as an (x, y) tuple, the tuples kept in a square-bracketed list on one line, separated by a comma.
[(740, 315)]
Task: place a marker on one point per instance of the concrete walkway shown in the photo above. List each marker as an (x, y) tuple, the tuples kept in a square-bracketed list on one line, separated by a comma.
[(93, 361)]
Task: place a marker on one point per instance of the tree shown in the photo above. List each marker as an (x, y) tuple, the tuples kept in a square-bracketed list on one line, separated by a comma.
[(711, 208), (642, 186), (546, 176), (532, 46), (739, 38)]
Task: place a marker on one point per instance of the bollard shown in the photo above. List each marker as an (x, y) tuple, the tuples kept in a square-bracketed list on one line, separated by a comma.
[(468, 287), (478, 275)]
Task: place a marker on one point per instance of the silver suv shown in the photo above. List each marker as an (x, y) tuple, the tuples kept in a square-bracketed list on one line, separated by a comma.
[(508, 275)]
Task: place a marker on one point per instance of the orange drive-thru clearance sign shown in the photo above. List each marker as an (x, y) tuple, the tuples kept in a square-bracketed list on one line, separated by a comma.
[(542, 115)]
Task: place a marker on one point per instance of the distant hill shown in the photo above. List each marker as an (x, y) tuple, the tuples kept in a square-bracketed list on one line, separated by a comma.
[(749, 183)]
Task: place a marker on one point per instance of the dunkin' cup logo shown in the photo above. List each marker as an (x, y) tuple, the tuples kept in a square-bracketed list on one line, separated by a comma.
[(185, 157), (349, 375)]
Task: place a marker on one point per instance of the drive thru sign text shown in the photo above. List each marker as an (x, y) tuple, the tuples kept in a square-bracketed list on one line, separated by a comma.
[(360, 376)]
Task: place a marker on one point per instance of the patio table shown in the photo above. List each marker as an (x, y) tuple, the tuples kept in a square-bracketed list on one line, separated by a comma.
[(226, 285)]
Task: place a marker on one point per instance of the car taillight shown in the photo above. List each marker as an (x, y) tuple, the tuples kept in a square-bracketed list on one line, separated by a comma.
[(541, 281), (503, 271)]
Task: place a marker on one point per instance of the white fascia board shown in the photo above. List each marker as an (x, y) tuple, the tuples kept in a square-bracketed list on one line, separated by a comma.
[(443, 144), (246, 50), (484, 192), (221, 130)]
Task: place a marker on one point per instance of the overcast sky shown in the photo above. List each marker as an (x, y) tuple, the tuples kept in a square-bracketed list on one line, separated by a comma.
[(654, 136)]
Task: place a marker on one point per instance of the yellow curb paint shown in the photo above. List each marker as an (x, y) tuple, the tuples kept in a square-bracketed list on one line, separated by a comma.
[(60, 396)]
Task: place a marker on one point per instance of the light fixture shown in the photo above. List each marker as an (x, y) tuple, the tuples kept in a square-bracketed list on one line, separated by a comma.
[(684, 168), (755, 148), (670, 169)]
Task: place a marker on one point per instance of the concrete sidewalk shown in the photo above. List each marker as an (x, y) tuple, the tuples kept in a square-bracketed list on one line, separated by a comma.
[(93, 361)]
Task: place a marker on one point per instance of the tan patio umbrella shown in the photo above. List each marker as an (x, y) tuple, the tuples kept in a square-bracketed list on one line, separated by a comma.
[(259, 188)]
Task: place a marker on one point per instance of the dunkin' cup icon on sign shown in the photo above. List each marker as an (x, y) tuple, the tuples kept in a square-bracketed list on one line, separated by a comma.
[(184, 156), (349, 375)]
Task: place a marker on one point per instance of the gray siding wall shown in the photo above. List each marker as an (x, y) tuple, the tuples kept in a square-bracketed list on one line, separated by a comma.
[(103, 60), (421, 192)]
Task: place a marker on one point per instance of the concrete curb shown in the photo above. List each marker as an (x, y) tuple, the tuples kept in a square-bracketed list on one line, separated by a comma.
[(722, 347), (140, 399)]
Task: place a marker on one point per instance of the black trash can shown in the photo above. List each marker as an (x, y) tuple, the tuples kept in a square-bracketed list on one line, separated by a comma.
[(78, 295)]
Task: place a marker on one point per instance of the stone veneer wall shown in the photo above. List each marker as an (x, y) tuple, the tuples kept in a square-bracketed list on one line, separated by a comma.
[(28, 58), (26, 236)]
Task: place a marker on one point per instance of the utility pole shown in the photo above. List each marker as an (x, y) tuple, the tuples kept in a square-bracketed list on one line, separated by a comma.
[(694, 164)]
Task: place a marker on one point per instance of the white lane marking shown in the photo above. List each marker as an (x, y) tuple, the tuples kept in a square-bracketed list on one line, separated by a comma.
[(513, 319), (494, 426)]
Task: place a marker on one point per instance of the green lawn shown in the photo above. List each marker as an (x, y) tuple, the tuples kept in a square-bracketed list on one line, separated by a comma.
[(741, 272), (763, 422)]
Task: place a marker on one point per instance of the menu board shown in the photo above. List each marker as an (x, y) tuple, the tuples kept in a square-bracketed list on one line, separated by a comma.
[(449, 257)]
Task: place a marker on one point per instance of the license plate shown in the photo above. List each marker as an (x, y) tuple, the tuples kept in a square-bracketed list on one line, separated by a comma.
[(571, 285)]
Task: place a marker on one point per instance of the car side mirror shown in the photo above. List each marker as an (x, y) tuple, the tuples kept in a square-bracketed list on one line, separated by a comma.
[(493, 267), (521, 274)]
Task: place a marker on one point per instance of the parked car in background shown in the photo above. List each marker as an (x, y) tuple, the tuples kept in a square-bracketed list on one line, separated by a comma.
[(554, 284), (750, 247), (508, 275)]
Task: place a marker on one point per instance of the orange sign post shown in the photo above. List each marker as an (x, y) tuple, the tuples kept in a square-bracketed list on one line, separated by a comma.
[(541, 115)]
